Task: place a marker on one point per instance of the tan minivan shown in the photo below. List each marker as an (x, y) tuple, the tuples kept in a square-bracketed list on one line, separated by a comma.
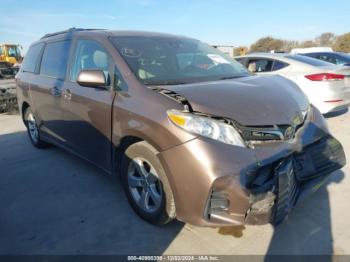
[(190, 132)]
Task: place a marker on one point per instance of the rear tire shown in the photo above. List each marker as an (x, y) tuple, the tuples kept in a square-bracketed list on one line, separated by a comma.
[(146, 185), (33, 129)]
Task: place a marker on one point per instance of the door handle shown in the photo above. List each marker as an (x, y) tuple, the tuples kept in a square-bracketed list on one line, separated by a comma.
[(67, 94)]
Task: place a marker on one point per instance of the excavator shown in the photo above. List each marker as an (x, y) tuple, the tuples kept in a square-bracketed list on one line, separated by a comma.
[(10, 60)]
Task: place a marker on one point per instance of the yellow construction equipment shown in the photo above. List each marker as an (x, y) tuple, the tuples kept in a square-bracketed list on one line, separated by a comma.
[(11, 54), (10, 60)]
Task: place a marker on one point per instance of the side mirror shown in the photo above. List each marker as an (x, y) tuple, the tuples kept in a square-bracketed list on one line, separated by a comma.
[(92, 78)]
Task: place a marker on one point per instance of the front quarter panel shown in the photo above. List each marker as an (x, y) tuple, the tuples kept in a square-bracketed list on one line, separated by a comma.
[(141, 113)]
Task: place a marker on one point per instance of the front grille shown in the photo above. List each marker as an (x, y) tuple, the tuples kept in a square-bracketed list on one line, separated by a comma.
[(255, 133), (269, 133)]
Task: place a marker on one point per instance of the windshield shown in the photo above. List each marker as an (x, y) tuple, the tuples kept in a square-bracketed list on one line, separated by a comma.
[(174, 60), (308, 60), (13, 51)]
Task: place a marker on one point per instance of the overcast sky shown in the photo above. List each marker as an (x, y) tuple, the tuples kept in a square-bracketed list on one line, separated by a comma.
[(235, 22)]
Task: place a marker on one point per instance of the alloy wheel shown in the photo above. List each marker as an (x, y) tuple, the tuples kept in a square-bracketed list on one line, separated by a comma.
[(33, 128), (144, 185)]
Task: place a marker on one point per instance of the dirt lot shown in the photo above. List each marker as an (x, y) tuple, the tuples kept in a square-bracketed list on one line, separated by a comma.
[(54, 203), (8, 99)]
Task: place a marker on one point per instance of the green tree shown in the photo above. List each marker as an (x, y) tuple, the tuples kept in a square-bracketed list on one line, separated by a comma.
[(342, 43)]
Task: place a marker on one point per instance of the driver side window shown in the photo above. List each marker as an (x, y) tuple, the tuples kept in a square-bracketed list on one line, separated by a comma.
[(260, 65), (89, 54)]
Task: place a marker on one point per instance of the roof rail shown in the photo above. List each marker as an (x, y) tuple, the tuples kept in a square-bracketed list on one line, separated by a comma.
[(70, 30)]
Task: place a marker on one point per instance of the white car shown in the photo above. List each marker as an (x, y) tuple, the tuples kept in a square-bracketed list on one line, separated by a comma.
[(326, 85), (311, 50)]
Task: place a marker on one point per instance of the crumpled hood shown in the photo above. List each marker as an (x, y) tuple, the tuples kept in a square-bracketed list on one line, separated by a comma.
[(256, 100)]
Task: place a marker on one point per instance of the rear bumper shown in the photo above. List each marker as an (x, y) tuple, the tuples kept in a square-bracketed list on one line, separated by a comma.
[(215, 184), (334, 106), (333, 99)]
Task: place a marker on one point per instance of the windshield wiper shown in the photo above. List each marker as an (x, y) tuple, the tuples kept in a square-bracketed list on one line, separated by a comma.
[(229, 77), (170, 82)]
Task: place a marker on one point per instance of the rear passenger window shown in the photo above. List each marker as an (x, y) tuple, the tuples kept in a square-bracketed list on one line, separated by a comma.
[(278, 65), (54, 61), (31, 58)]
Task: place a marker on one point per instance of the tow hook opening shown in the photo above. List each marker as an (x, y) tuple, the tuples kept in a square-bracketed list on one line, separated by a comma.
[(218, 203)]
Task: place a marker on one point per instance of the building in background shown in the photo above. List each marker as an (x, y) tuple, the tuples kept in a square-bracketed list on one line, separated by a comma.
[(227, 49)]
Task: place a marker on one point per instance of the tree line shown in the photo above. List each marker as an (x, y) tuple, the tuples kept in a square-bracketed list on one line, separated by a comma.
[(339, 43)]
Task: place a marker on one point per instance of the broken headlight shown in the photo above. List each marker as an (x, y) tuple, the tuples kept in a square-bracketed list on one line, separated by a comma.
[(206, 127)]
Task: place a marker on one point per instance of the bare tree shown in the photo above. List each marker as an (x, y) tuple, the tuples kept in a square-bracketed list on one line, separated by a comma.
[(325, 39), (266, 44), (308, 43), (342, 43), (338, 43), (288, 45)]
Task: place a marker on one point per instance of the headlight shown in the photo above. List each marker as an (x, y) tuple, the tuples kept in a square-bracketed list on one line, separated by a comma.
[(207, 127)]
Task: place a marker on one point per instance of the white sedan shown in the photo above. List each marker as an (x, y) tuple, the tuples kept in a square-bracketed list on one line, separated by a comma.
[(326, 85)]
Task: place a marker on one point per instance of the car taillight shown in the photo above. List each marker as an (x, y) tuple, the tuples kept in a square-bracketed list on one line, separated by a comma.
[(325, 77)]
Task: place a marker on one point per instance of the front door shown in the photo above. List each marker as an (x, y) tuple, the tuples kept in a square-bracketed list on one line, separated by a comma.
[(89, 110)]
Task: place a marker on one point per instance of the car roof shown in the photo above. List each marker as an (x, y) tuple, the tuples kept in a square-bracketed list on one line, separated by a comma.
[(288, 58), (279, 56), (325, 52), (140, 33), (266, 55), (69, 33), (79, 31)]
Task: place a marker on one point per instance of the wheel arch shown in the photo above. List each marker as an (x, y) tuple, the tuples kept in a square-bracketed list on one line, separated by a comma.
[(24, 107), (123, 144), (119, 150)]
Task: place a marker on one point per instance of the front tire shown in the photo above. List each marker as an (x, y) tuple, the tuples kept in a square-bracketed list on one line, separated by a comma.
[(146, 185), (33, 129)]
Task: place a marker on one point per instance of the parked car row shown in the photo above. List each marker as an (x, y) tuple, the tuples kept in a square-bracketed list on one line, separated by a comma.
[(192, 134), (336, 58), (324, 53), (327, 86)]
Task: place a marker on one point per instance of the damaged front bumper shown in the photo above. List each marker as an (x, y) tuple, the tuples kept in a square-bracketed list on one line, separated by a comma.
[(291, 179), (215, 184)]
